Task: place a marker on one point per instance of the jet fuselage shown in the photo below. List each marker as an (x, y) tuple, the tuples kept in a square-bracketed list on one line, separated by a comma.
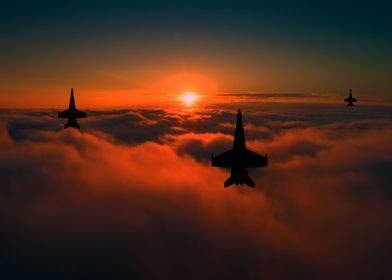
[(239, 158), (72, 113), (350, 99)]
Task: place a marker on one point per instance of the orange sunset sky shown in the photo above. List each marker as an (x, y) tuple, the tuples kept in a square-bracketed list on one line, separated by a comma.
[(135, 54)]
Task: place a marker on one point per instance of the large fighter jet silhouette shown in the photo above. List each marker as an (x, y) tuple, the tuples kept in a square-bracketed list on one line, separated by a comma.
[(72, 113), (350, 99), (239, 159)]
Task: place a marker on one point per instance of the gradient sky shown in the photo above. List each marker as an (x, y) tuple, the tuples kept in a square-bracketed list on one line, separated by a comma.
[(122, 53)]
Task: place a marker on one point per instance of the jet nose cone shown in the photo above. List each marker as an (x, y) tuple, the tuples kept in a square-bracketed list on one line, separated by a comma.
[(72, 92), (239, 116)]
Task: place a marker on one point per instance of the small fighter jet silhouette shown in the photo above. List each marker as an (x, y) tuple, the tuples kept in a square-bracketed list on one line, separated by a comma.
[(350, 99), (239, 159), (72, 113)]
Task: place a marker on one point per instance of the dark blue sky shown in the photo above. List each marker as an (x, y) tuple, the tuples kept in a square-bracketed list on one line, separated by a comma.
[(365, 22)]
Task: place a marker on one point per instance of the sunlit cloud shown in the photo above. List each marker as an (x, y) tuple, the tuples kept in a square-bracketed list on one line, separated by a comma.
[(152, 199)]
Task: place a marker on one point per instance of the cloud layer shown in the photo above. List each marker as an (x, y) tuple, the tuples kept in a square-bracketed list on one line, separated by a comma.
[(133, 196)]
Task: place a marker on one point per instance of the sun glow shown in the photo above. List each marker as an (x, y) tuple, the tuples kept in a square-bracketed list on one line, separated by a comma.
[(189, 98)]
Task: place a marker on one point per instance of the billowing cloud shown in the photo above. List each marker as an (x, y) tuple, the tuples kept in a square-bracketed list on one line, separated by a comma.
[(104, 203)]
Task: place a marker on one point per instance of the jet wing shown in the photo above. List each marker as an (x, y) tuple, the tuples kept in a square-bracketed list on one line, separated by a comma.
[(354, 100), (347, 100), (254, 160), (223, 160), (79, 114), (64, 114)]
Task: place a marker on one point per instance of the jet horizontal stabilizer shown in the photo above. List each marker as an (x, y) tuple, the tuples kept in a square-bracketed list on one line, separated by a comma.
[(248, 181), (239, 181), (230, 181)]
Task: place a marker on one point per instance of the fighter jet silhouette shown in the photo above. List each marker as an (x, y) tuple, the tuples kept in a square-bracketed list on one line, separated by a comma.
[(72, 113), (350, 99), (239, 159)]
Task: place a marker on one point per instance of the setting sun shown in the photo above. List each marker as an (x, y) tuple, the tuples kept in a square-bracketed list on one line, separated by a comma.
[(189, 98)]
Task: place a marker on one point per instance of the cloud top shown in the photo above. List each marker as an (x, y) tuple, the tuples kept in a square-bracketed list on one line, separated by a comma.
[(133, 196)]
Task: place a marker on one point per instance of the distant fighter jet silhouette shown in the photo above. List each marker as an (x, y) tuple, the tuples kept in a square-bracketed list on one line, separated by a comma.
[(350, 99), (72, 113), (239, 159)]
